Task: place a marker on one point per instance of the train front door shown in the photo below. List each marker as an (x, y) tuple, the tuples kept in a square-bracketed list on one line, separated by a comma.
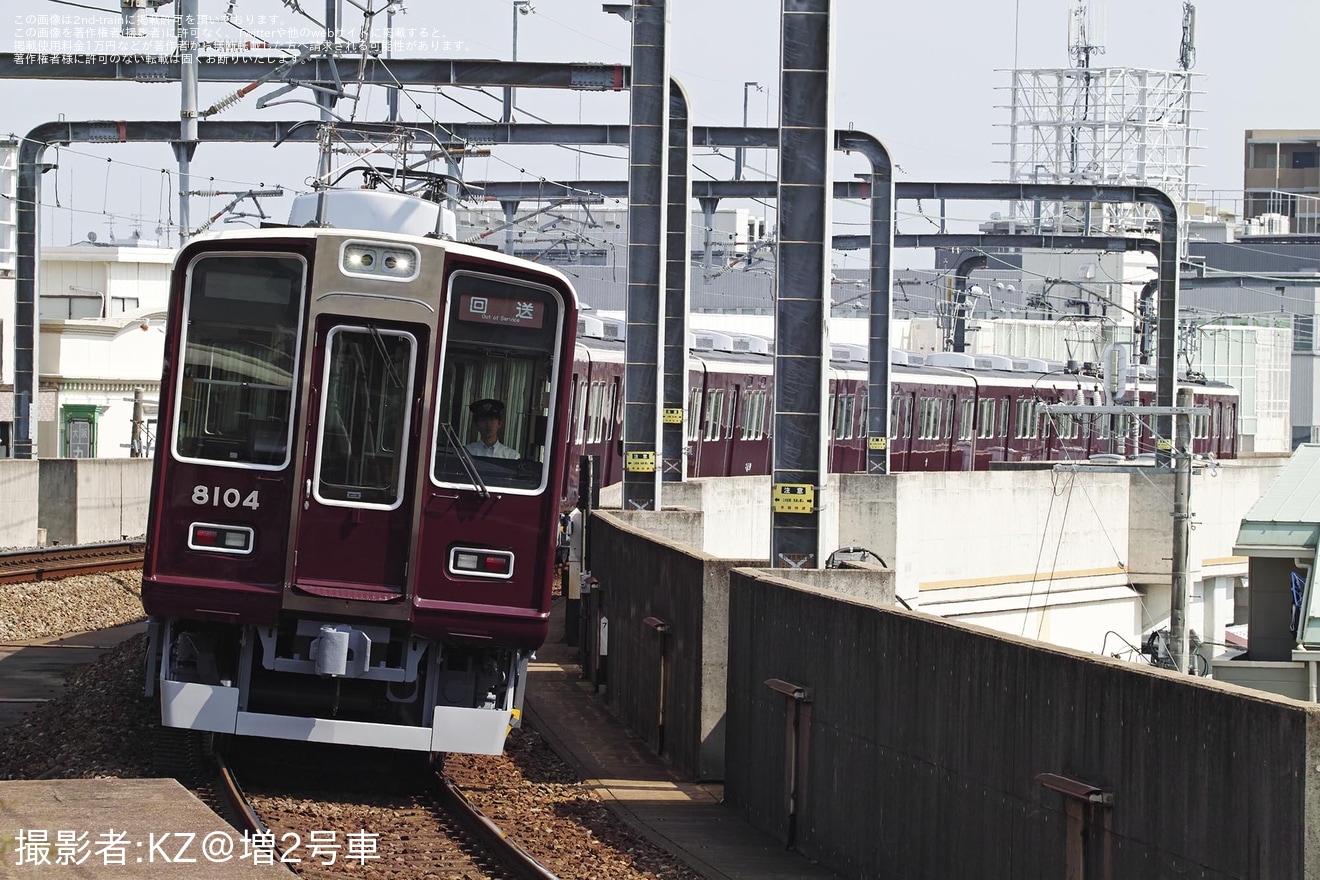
[(360, 466)]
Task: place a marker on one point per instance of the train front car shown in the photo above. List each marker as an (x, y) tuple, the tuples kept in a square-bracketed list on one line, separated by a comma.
[(353, 521)]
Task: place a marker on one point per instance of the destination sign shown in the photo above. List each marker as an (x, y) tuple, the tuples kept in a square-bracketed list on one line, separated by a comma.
[(503, 310)]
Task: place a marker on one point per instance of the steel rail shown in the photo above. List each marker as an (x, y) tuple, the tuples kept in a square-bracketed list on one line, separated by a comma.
[(47, 563), (516, 859)]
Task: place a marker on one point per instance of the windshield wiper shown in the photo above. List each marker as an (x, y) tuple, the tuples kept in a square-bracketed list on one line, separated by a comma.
[(465, 458), (385, 356)]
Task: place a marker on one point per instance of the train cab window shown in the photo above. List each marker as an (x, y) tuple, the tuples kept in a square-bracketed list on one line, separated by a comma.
[(365, 412), (234, 396), (501, 343), (985, 423)]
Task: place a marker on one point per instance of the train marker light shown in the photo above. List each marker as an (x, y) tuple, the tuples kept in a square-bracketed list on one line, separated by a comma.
[(471, 562), (220, 538)]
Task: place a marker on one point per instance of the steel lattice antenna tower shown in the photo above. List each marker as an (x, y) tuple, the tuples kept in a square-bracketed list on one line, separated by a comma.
[(1099, 125)]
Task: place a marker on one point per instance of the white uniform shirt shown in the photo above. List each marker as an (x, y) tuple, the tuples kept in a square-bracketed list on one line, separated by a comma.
[(479, 449)]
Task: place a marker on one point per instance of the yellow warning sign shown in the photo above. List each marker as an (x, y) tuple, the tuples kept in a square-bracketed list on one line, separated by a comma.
[(1164, 445), (793, 498), (673, 415), (640, 462), (877, 443)]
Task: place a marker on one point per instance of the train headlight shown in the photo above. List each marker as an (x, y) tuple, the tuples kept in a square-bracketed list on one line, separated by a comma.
[(397, 262), (474, 562)]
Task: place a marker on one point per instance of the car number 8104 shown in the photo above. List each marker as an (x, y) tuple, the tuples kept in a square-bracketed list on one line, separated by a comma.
[(217, 497)]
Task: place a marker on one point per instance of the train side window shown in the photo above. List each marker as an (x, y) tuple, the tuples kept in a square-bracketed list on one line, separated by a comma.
[(714, 413), (965, 422), (895, 415), (595, 411), (694, 414), (931, 409), (234, 398), (581, 437), (1026, 419), (1005, 410), (611, 402), (985, 428), (849, 415)]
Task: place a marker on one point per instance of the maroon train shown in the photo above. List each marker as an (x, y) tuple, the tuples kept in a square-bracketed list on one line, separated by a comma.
[(947, 411), (328, 559)]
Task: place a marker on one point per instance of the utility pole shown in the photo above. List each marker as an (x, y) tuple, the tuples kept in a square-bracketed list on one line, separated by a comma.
[(135, 446), (1180, 452), (520, 7), (1182, 491), (738, 153)]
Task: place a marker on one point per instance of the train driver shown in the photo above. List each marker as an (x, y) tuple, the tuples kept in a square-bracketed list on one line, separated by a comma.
[(488, 416)]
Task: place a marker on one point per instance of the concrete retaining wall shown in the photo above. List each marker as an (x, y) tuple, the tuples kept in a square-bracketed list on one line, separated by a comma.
[(924, 739), (641, 575), (19, 494), (88, 500)]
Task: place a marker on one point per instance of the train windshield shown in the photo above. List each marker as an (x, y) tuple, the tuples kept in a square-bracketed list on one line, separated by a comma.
[(496, 383), (365, 414), (240, 345)]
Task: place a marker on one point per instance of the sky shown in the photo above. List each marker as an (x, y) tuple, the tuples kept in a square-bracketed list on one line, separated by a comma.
[(926, 79)]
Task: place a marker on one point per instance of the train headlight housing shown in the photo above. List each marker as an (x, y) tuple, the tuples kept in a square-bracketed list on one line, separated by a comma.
[(220, 538), (394, 262), (476, 562)]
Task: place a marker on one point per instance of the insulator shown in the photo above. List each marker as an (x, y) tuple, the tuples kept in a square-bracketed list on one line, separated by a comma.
[(223, 104)]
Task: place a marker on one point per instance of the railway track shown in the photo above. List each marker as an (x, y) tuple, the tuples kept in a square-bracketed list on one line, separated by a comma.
[(427, 824), (45, 563)]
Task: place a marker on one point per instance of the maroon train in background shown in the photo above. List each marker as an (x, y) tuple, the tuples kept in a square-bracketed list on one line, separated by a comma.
[(332, 555), (948, 412)]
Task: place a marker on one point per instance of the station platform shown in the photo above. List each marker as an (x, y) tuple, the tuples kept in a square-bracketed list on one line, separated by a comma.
[(33, 672), (688, 820), (84, 828)]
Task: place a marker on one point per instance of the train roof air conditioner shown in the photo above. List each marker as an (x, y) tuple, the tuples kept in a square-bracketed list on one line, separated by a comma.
[(706, 341), (993, 362), (1030, 365), (591, 327), (613, 329), (853, 353), (751, 344), (953, 359)]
